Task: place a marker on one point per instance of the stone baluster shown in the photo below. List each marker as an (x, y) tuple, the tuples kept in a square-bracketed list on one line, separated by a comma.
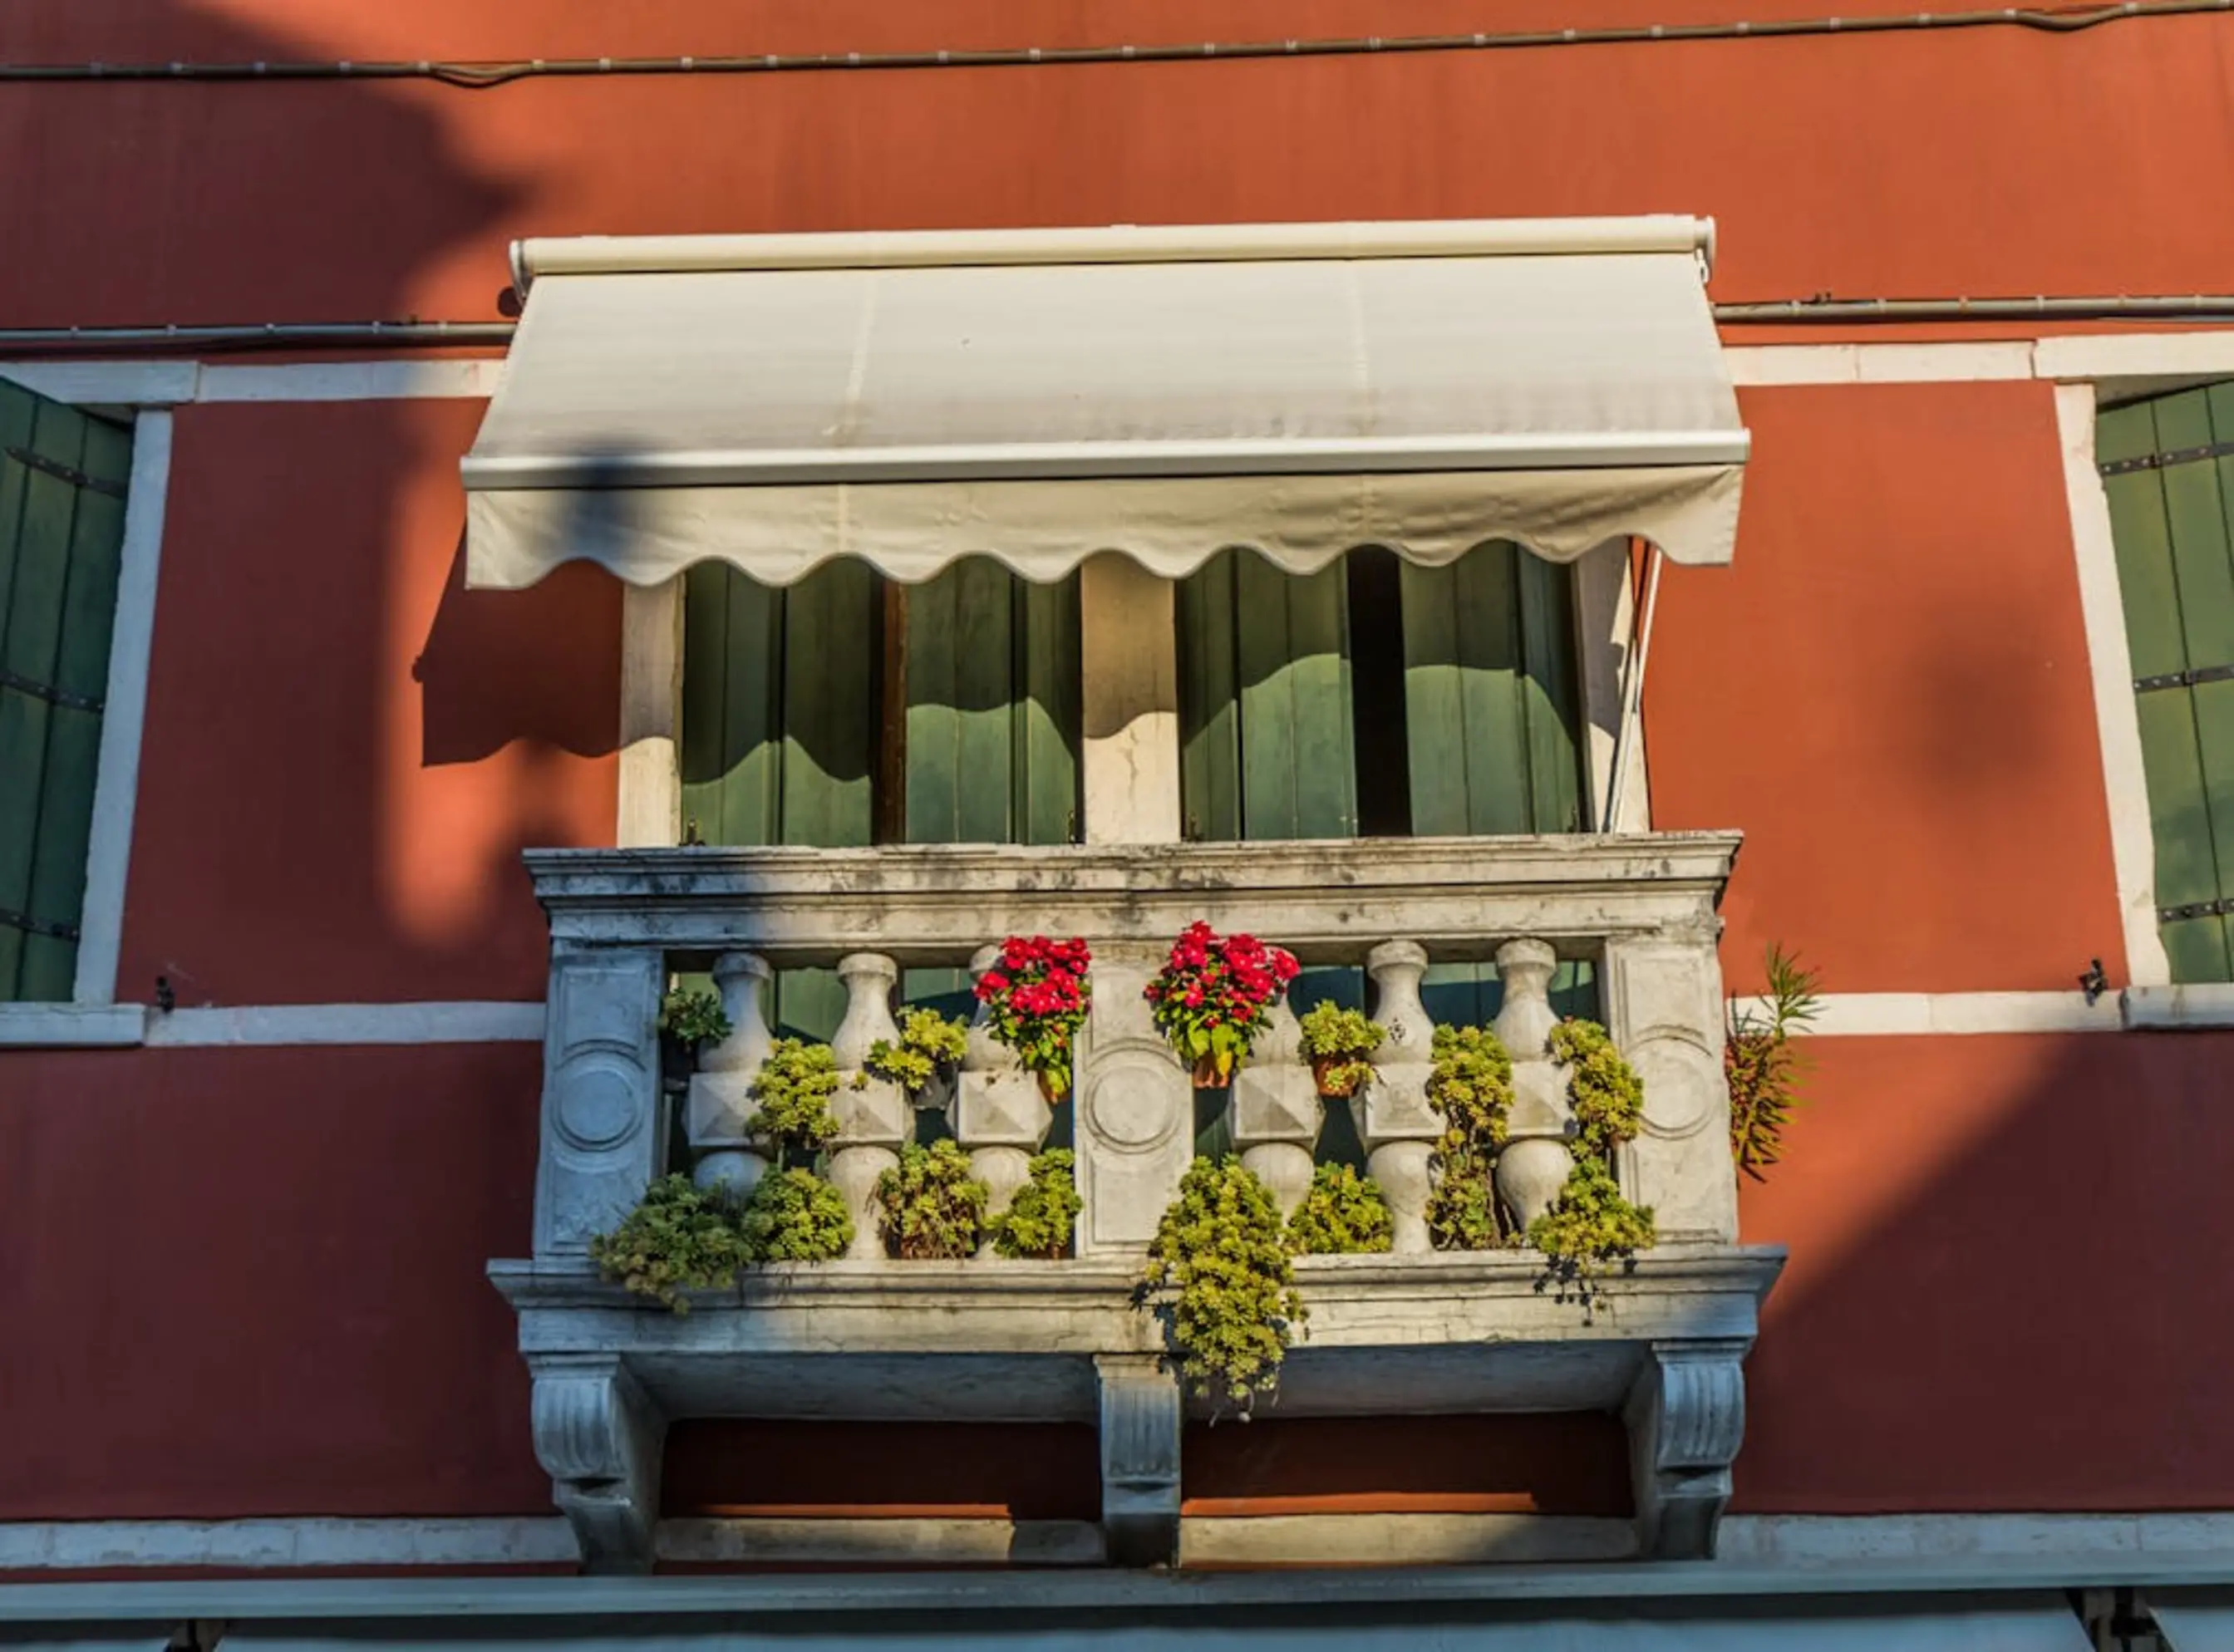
[(1535, 1162), (999, 1113), (1274, 1112), (875, 1117), (1399, 1125), (718, 1114)]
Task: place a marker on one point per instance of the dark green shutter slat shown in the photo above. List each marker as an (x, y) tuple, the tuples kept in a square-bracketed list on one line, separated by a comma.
[(81, 669), (829, 707), (1298, 777), (1551, 699), (1210, 717), (960, 738), (2168, 526), (705, 682), (30, 648), (16, 405), (1048, 713), (752, 727)]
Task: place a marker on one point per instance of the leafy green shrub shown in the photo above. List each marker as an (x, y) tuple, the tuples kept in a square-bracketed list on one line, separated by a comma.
[(1763, 1066), (1343, 1214), (1219, 1277), (928, 1041), (1471, 1085), (1042, 1220), (1592, 1227), (795, 1216), (793, 1091), (1607, 1095), (1337, 1041), (681, 1237), (693, 1019), (930, 1205)]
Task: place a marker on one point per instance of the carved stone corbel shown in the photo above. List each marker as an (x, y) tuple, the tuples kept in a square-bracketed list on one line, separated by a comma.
[(599, 1436), (1686, 1417), (1140, 1419)]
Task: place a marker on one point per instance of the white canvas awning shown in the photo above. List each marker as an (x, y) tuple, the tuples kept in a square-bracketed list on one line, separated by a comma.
[(1039, 396)]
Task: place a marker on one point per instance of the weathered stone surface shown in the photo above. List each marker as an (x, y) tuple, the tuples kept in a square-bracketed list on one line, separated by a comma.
[(604, 1134)]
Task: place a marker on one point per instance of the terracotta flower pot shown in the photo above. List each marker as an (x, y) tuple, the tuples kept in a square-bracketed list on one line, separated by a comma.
[(1213, 1072), (1326, 1072)]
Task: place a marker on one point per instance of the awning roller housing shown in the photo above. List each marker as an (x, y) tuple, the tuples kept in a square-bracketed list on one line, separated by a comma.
[(1039, 396)]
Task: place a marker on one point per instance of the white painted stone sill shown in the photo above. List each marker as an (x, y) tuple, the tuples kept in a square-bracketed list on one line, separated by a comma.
[(2195, 1008), (73, 1025)]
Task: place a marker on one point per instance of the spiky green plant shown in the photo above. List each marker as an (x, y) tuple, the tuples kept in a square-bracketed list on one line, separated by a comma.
[(680, 1237), (1765, 1067)]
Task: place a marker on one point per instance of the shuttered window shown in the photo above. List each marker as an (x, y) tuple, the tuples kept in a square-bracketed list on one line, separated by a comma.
[(63, 475), (1379, 699), (845, 710), (2168, 467)]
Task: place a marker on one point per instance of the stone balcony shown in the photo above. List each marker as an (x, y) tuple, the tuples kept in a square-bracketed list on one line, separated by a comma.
[(991, 1340)]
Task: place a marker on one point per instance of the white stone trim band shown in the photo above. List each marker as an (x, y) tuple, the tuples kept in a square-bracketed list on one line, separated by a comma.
[(1828, 1546), (1844, 1014)]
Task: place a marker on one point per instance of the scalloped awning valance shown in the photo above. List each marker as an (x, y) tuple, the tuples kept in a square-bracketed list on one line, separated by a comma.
[(1039, 396)]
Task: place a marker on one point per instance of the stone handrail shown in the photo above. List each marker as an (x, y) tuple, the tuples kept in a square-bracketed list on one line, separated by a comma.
[(1640, 908)]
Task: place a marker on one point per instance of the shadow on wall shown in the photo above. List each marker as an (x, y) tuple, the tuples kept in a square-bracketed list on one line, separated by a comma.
[(346, 750), (2008, 1288)]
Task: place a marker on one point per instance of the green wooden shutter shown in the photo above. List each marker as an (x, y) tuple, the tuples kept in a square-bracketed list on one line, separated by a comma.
[(781, 736), (1266, 734), (2168, 468), (62, 476)]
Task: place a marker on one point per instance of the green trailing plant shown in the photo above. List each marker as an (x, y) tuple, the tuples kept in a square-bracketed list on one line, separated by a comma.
[(680, 1237), (1343, 1214), (795, 1216), (1471, 1085), (1042, 1221), (792, 1093), (693, 1019), (1592, 1230), (1336, 1042), (929, 1205), (1764, 1066), (1219, 1278), (928, 1043)]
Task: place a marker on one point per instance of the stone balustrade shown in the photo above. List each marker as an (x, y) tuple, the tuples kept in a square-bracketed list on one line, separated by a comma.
[(1060, 1337)]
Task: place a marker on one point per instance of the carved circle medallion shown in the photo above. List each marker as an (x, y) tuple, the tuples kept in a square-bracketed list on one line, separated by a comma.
[(596, 1104), (1136, 1098), (1681, 1084)]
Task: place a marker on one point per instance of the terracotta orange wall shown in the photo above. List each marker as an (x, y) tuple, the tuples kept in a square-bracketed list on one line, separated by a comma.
[(249, 1282), (1987, 161), (1888, 692), (346, 750), (2007, 1287)]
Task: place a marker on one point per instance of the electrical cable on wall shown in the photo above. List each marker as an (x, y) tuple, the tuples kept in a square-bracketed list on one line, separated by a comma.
[(477, 76)]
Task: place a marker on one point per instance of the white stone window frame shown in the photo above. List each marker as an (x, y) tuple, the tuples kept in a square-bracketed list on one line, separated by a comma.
[(1129, 756), (2089, 373), (145, 394)]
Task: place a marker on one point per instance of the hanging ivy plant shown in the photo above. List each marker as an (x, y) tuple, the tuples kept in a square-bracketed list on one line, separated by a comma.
[(928, 1043), (795, 1216), (1592, 1230), (931, 1206), (679, 1239), (1471, 1085), (1042, 1221), (1336, 1042), (1343, 1214), (1219, 1277), (1764, 1066)]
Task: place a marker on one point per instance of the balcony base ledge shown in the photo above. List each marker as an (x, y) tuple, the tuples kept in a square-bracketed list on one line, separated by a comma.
[(1019, 1342)]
